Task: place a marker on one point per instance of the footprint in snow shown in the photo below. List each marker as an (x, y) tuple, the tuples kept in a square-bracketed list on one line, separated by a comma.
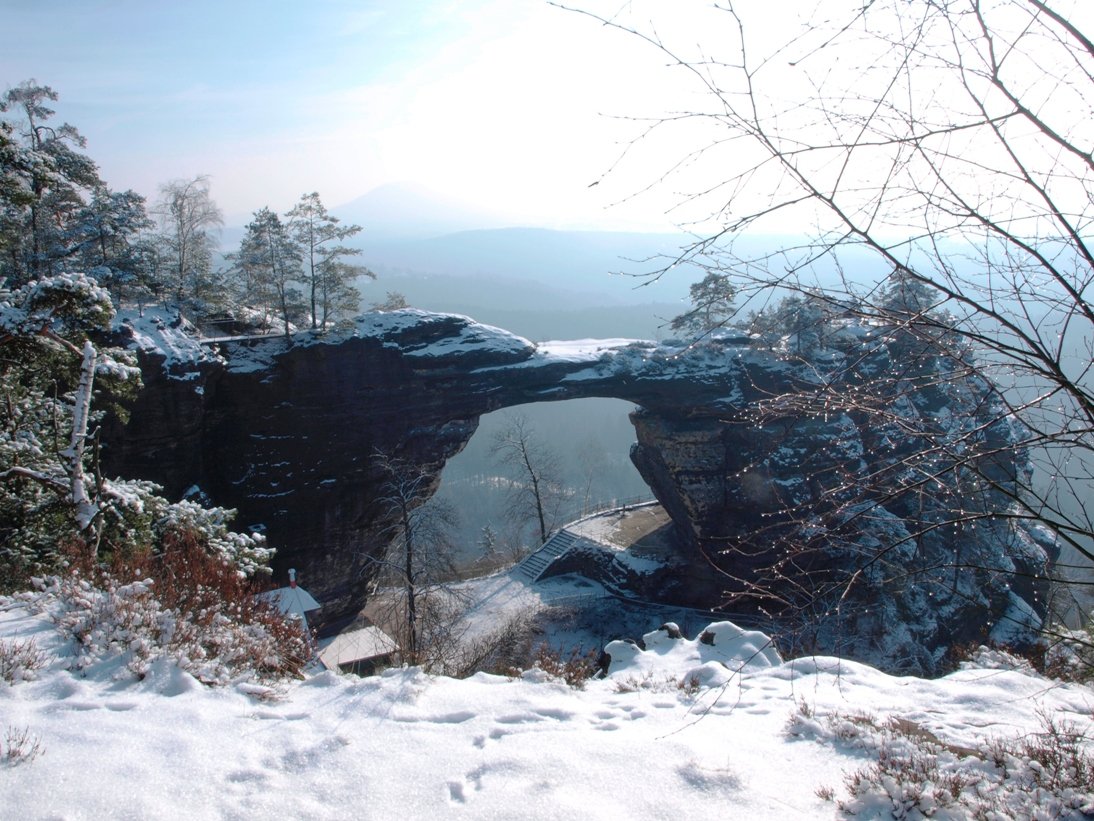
[(516, 718), (509, 724), (459, 792), (456, 793), (80, 706), (247, 777), (458, 717)]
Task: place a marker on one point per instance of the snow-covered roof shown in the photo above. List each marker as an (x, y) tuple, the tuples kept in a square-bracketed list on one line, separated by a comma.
[(295, 601), (357, 644)]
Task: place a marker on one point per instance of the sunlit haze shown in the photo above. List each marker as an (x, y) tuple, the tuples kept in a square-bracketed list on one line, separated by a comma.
[(510, 107)]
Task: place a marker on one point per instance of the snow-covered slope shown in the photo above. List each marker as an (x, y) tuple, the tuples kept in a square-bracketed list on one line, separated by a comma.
[(646, 742)]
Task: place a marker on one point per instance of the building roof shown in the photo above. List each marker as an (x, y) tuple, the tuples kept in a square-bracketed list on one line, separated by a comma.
[(292, 601), (358, 644)]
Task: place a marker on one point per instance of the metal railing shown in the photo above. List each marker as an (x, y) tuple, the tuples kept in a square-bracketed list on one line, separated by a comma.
[(596, 508)]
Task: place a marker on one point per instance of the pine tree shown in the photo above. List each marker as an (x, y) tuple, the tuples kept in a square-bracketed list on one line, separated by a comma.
[(711, 305), (53, 501), (45, 184), (327, 277), (267, 269), (109, 245)]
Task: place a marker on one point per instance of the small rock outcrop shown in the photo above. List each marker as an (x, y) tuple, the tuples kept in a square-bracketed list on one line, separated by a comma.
[(287, 432)]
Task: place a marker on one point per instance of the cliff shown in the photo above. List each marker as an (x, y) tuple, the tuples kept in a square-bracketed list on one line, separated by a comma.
[(286, 431)]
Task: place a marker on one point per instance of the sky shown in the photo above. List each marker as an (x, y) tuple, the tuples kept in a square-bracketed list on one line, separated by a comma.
[(518, 108), (513, 106)]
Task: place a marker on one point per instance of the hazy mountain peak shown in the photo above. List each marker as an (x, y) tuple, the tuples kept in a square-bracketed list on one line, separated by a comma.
[(406, 210)]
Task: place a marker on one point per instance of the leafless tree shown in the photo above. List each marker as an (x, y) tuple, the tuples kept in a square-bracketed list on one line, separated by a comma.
[(189, 221), (939, 148), (414, 573), (538, 491)]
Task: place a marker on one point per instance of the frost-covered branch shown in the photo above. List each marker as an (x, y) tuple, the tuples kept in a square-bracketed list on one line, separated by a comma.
[(908, 147)]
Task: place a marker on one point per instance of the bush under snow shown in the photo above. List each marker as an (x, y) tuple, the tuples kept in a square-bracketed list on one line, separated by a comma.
[(187, 608)]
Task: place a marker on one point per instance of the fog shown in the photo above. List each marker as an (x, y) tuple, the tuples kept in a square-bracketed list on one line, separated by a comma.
[(590, 440)]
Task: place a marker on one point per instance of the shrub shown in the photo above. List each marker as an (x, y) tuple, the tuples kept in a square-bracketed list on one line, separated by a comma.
[(500, 651), (1071, 656), (687, 687), (1046, 774), (185, 603), (690, 685), (19, 747), (1062, 654), (1054, 760), (19, 660), (574, 668)]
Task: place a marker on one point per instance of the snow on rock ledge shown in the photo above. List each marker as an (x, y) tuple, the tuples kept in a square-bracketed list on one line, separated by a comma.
[(167, 335)]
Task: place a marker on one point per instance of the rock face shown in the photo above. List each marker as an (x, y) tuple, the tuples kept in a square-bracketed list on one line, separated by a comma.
[(288, 434)]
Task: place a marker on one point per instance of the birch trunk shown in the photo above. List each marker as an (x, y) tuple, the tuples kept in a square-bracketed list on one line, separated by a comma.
[(86, 510)]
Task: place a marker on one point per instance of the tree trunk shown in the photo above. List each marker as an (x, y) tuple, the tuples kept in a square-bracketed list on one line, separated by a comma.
[(411, 592), (86, 510), (537, 495), (313, 277)]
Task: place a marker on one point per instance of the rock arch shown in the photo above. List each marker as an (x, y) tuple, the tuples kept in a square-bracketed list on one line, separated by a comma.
[(285, 431)]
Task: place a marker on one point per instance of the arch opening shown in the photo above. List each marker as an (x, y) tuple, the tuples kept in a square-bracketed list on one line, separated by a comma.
[(590, 439)]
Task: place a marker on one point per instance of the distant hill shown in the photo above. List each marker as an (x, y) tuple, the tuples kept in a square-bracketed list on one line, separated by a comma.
[(408, 210), (588, 260), (536, 282), (444, 255)]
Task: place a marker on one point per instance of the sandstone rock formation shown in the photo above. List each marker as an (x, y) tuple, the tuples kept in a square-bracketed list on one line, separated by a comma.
[(287, 432)]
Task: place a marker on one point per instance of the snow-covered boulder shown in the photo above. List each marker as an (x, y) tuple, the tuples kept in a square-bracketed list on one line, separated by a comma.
[(714, 657)]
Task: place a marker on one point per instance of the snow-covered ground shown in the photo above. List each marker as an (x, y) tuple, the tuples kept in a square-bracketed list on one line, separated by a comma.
[(677, 731)]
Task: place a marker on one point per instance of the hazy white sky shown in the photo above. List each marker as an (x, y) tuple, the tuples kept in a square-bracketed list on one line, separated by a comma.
[(504, 103), (515, 106)]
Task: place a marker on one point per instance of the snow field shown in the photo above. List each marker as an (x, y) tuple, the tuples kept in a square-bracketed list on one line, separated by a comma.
[(408, 745)]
